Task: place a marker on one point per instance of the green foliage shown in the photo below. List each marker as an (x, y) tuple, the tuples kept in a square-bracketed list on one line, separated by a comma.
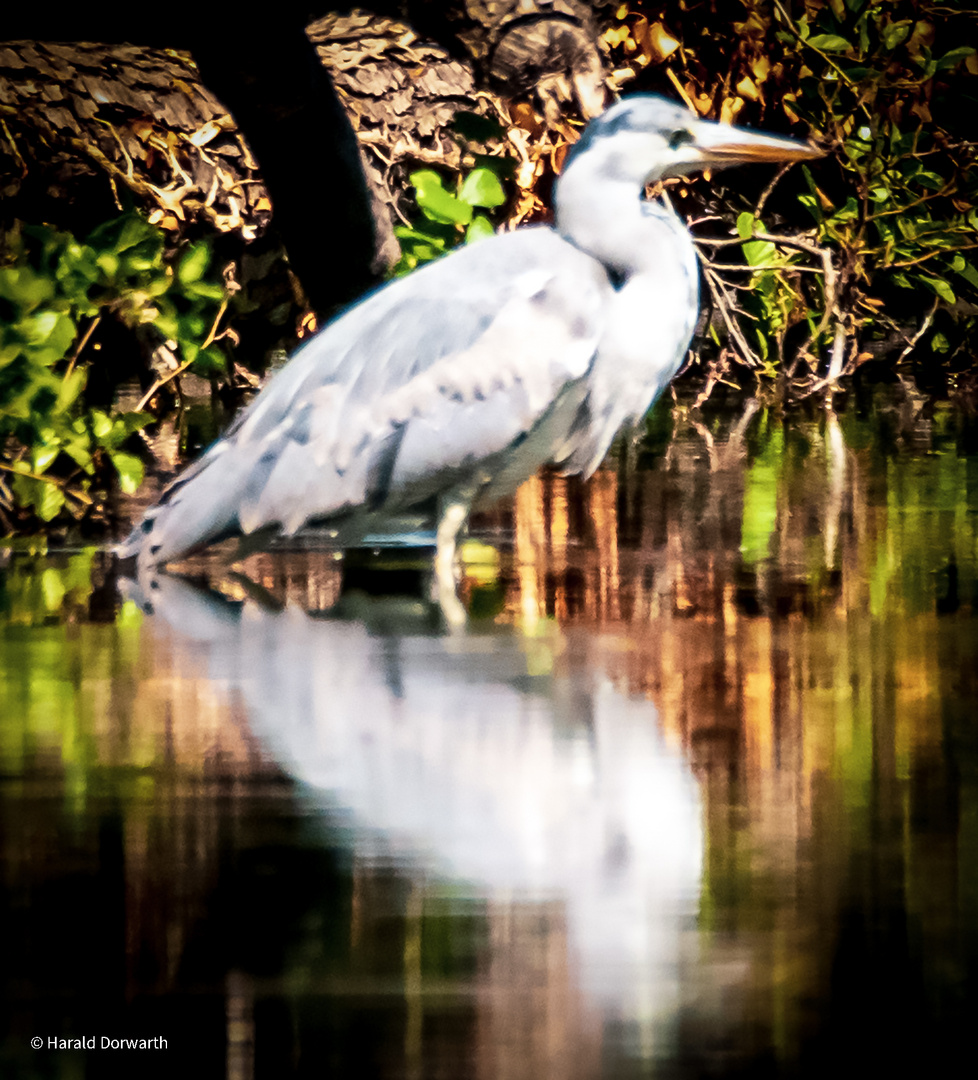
[(451, 217), (879, 81), (54, 291), (889, 88)]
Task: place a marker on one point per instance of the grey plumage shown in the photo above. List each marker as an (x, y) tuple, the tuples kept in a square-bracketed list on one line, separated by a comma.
[(456, 383)]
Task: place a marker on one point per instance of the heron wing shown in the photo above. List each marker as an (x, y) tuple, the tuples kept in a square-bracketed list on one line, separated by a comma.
[(420, 385)]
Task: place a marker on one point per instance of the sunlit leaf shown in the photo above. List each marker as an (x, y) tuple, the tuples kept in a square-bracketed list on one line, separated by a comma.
[(941, 287), (44, 497), (193, 263), (129, 468), (482, 188), (71, 386), (480, 229), (436, 202), (829, 43)]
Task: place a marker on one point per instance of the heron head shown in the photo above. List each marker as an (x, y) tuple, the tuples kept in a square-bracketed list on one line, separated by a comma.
[(645, 138)]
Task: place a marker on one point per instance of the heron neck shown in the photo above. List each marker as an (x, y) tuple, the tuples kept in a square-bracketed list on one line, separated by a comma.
[(609, 219)]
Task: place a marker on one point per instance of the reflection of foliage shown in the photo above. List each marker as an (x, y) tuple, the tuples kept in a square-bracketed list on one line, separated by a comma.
[(35, 590), (54, 293), (46, 711), (890, 89), (760, 512)]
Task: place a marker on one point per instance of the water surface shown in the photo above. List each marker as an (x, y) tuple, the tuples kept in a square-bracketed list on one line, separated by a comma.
[(695, 792)]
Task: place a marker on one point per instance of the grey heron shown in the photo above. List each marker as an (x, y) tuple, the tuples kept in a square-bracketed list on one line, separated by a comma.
[(450, 387)]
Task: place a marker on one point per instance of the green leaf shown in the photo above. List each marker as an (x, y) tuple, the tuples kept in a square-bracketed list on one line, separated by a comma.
[(108, 263), (193, 263), (135, 231), (829, 43), (941, 287), (189, 350), (46, 498), (954, 57), (969, 274), (210, 362), (760, 253), (896, 33), (205, 290), (129, 468), (21, 286), (80, 456), (132, 422), (71, 386), (482, 188), (101, 424), (44, 455), (38, 328), (436, 202), (745, 225), (480, 229), (52, 588)]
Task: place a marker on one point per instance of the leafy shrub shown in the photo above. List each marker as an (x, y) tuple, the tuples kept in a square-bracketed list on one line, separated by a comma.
[(450, 217), (54, 291), (868, 252)]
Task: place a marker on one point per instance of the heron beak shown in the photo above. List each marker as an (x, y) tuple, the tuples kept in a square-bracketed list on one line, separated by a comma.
[(721, 145)]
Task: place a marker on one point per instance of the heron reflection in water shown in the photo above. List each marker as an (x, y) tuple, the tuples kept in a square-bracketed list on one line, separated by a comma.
[(487, 763), (445, 390)]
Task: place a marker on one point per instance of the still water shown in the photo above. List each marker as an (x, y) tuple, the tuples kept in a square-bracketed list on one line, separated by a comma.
[(694, 793)]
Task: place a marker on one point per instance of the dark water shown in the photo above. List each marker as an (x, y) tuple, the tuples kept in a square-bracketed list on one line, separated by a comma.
[(694, 794)]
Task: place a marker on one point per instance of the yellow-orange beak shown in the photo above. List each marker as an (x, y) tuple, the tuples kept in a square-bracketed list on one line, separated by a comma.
[(720, 145)]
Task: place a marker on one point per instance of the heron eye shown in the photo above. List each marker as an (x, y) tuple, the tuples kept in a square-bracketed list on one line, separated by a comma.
[(682, 137)]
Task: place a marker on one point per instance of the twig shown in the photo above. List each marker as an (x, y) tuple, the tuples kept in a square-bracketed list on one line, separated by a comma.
[(81, 496), (925, 324), (722, 302), (929, 255), (740, 268), (766, 193), (160, 383), (81, 344)]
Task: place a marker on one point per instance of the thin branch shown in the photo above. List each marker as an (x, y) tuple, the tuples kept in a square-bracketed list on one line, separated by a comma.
[(160, 383), (81, 344), (929, 255), (74, 493), (766, 193), (925, 324), (722, 302), (740, 268)]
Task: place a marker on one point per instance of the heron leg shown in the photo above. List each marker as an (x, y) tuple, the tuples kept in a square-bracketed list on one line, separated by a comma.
[(453, 513)]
